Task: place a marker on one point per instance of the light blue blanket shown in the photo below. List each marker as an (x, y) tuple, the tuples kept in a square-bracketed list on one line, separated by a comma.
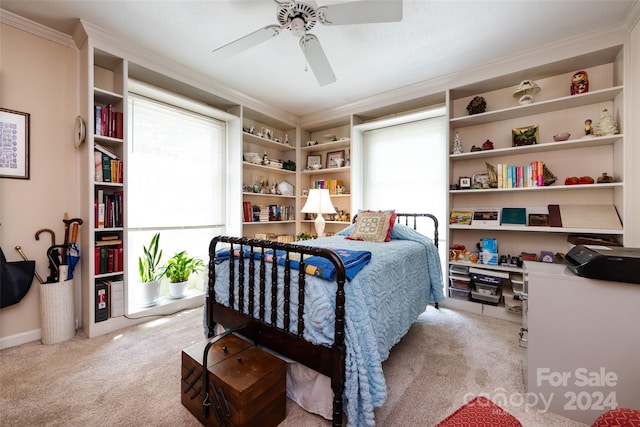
[(382, 302)]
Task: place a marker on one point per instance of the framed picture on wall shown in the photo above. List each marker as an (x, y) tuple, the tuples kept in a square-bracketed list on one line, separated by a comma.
[(14, 144)]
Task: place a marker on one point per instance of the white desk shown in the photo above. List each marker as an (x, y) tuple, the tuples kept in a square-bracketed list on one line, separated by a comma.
[(583, 352)]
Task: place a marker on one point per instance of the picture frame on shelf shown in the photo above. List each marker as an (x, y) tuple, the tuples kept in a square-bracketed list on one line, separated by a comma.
[(15, 125), (486, 216), (526, 135), (539, 220), (314, 161), (335, 159), (464, 183), (460, 217)]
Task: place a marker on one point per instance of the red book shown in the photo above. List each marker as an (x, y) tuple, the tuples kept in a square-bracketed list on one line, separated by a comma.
[(119, 117), (246, 207), (120, 171), (120, 249), (109, 120), (97, 260), (110, 260)]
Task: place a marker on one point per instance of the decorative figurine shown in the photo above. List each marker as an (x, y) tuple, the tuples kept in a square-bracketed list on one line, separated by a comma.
[(605, 179), (588, 129), (457, 145), (487, 145), (606, 125), (525, 91), (579, 83), (477, 105)]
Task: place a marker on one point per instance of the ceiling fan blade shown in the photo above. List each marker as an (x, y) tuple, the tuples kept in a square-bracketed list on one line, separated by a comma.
[(248, 41), (317, 59), (362, 12)]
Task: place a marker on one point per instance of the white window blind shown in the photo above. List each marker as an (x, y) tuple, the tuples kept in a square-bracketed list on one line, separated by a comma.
[(405, 168), (175, 174), (176, 166)]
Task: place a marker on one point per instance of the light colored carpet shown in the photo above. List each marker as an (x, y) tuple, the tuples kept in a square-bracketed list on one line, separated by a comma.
[(132, 377)]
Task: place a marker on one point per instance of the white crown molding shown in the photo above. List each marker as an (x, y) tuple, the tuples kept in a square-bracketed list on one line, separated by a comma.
[(36, 29), (145, 58), (633, 16), (556, 51)]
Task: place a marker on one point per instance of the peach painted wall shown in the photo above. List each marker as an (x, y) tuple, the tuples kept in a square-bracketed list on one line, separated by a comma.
[(39, 77)]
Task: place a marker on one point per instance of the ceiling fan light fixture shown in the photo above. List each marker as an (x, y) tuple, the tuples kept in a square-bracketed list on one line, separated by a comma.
[(298, 27)]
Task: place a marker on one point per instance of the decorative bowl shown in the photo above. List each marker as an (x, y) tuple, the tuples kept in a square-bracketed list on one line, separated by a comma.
[(561, 136)]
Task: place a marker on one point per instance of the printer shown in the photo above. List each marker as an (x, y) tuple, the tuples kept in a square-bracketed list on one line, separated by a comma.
[(618, 264)]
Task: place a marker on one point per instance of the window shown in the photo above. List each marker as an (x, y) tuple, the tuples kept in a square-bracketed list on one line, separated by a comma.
[(176, 168), (405, 168)]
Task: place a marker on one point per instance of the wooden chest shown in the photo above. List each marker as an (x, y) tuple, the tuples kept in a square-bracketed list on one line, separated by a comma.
[(247, 385)]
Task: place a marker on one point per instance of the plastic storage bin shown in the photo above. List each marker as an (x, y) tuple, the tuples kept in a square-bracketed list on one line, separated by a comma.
[(459, 293)]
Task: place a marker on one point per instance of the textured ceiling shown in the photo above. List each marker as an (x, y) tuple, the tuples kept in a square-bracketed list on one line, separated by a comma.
[(433, 39)]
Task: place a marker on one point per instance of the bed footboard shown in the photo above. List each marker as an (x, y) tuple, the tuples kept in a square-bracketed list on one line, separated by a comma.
[(259, 323)]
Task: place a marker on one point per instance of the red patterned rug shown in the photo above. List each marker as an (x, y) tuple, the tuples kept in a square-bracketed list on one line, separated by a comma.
[(622, 417), (480, 412)]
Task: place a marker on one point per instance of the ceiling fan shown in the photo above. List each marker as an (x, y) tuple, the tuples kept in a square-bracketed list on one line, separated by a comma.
[(302, 15)]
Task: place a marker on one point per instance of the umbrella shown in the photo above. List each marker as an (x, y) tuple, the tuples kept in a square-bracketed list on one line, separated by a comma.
[(73, 252), (15, 280), (53, 256)]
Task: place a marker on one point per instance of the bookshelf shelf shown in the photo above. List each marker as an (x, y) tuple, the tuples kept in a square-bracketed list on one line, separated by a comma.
[(554, 111)]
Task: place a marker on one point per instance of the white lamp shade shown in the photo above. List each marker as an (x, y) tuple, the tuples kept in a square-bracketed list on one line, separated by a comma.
[(319, 202)]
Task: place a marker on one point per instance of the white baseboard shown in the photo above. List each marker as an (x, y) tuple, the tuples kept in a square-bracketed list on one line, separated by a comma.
[(21, 338)]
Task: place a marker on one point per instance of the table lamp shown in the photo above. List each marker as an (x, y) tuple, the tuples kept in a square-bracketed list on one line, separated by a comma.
[(319, 202)]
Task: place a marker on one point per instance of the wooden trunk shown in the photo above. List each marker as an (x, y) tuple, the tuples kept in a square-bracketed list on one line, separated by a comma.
[(247, 385)]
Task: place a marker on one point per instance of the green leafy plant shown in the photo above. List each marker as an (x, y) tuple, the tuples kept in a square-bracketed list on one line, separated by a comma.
[(181, 266), (304, 236), (149, 264)]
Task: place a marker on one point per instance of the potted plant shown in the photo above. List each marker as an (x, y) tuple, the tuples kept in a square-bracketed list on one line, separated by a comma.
[(178, 270), (150, 272)]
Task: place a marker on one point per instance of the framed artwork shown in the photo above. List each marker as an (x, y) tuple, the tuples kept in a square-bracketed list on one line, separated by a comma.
[(464, 182), (335, 159), (460, 217), (314, 161), (539, 219), (14, 144), (527, 135), (486, 216)]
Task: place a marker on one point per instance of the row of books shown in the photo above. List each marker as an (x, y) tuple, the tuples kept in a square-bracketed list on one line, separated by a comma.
[(531, 175), (266, 213), (108, 167), (109, 259), (108, 122), (109, 209), (282, 238), (330, 184), (109, 299)]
